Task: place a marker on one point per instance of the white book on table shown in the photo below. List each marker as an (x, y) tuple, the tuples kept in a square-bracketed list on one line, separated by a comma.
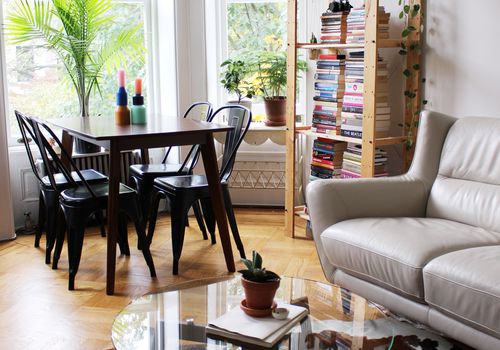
[(264, 332)]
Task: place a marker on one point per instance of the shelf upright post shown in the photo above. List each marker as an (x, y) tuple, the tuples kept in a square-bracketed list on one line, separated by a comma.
[(414, 82), (291, 77), (370, 87)]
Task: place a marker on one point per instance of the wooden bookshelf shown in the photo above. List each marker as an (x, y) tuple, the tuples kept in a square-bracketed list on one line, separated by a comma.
[(369, 140)]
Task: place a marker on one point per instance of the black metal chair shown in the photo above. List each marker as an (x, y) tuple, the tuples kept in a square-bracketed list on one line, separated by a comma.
[(49, 198), (142, 176), (183, 190), (81, 200)]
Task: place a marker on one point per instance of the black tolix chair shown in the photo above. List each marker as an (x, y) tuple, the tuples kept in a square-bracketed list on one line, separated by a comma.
[(49, 193), (184, 190), (81, 200)]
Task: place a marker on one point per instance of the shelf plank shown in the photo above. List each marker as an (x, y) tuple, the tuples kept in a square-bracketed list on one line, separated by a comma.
[(329, 136), (383, 141), (382, 43), (386, 141)]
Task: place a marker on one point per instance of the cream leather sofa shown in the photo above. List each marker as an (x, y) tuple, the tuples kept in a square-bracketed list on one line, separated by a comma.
[(425, 244)]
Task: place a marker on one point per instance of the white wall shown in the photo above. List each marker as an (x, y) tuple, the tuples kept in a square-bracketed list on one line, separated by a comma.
[(461, 57)]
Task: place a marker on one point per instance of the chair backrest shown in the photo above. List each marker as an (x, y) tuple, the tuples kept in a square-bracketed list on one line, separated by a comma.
[(201, 111), (53, 164), (240, 118), (27, 134), (467, 187)]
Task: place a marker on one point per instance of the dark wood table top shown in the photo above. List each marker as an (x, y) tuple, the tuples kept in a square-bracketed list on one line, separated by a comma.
[(104, 128)]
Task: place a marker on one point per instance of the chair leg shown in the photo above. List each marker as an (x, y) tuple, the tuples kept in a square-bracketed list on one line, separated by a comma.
[(199, 218), (61, 233), (41, 220), (209, 217), (144, 190), (51, 231), (179, 214), (132, 212), (100, 220), (232, 221), (153, 214), (75, 245), (123, 235)]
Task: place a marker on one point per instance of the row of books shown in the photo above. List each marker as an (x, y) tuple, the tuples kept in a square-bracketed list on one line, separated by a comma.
[(353, 102), (355, 25), (329, 91), (337, 159), (351, 165), (327, 158)]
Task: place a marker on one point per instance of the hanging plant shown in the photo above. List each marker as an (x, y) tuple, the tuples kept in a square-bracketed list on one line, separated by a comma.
[(411, 47)]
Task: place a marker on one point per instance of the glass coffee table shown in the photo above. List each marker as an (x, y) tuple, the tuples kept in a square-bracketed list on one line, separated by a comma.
[(338, 319)]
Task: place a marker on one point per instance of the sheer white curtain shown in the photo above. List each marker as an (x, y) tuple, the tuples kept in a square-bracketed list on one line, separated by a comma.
[(6, 212)]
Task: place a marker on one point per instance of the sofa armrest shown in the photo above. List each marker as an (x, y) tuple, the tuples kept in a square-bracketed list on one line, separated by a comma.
[(332, 201)]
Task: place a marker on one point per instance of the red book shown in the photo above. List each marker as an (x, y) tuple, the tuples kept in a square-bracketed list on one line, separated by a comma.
[(327, 57)]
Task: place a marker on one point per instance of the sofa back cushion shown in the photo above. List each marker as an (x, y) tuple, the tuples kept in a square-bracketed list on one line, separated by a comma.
[(467, 188)]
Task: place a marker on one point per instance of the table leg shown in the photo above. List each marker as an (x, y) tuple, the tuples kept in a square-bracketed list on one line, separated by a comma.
[(145, 155), (67, 143), (212, 173), (113, 209)]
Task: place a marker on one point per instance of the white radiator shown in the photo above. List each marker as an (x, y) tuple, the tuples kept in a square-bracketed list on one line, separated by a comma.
[(100, 162)]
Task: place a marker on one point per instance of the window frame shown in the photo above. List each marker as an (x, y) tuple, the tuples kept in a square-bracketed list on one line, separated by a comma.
[(219, 41)]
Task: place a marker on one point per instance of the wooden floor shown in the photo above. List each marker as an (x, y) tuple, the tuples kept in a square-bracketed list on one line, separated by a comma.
[(38, 312)]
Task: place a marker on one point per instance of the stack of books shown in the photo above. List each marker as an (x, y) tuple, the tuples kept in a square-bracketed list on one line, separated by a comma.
[(352, 106), (351, 165), (356, 25), (327, 159), (333, 27), (329, 89)]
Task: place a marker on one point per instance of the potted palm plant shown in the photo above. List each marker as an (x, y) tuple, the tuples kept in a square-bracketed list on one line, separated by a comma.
[(259, 285), (271, 75), (71, 29), (233, 79)]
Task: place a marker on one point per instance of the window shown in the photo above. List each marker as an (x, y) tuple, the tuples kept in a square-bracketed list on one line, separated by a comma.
[(247, 27), (254, 26), (37, 81)]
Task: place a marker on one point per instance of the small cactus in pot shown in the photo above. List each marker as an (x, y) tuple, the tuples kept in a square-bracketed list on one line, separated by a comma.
[(259, 284)]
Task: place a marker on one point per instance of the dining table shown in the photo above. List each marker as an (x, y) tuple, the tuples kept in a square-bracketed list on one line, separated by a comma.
[(159, 131)]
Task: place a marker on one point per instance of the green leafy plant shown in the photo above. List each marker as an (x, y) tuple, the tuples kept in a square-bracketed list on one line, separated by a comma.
[(74, 29), (410, 43), (255, 272), (270, 69), (233, 78)]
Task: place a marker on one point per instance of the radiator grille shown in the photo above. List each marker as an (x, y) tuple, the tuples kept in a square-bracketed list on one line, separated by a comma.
[(100, 162)]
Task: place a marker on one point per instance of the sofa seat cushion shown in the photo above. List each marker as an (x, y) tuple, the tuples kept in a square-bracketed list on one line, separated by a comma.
[(391, 252), (466, 285)]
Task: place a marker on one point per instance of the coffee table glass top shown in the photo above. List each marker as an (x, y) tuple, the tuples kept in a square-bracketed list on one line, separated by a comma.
[(337, 319)]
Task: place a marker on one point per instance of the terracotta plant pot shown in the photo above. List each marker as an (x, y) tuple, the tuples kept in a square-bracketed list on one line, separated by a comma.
[(259, 295), (275, 110)]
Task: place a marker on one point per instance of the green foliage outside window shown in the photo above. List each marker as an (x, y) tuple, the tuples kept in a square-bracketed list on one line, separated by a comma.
[(37, 80)]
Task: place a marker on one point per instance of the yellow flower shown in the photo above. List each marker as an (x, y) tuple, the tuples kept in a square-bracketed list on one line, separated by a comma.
[(258, 117)]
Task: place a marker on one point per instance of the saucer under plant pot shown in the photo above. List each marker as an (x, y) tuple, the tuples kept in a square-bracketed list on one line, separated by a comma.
[(260, 286), (275, 110)]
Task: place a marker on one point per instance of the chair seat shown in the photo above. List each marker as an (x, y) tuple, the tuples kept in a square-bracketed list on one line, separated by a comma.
[(90, 175), (185, 181), (81, 194), (154, 170), (392, 252), (465, 284)]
